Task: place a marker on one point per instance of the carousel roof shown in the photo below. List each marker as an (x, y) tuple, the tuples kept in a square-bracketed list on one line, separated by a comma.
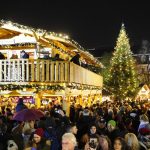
[(10, 33)]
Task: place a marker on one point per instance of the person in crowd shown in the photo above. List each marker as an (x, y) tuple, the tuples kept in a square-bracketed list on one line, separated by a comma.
[(51, 134), (69, 142), (144, 138), (72, 128), (101, 127), (3, 136), (76, 59), (2, 56), (24, 55), (27, 130), (46, 56), (10, 122), (120, 144), (38, 141), (17, 135), (83, 122), (92, 134), (20, 105), (132, 141), (14, 56), (129, 125), (144, 122), (57, 58), (113, 130), (50, 120), (104, 143), (72, 112)]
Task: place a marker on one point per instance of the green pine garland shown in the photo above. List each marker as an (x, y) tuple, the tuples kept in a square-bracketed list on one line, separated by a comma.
[(36, 86), (46, 87)]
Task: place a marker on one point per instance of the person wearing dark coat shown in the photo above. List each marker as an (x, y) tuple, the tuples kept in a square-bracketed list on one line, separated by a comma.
[(91, 134), (24, 55), (17, 135), (76, 59), (72, 113), (101, 127), (2, 56), (57, 58), (20, 105), (113, 130), (3, 135)]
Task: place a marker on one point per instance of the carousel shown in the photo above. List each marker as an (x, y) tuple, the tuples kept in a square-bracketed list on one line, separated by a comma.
[(40, 78)]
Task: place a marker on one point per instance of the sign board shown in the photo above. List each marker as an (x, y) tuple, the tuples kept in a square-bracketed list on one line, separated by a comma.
[(26, 99)]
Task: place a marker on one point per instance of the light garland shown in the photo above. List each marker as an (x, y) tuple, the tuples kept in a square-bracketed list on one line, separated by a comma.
[(83, 87), (9, 46), (6, 87), (36, 86), (59, 35), (122, 80)]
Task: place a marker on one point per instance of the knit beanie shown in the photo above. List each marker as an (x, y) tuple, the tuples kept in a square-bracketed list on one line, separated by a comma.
[(39, 132), (112, 122)]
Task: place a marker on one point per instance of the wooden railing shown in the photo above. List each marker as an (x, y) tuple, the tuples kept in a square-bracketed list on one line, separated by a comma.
[(83, 76), (24, 70)]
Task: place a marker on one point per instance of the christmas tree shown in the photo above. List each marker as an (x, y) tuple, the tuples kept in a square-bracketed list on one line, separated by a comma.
[(122, 81)]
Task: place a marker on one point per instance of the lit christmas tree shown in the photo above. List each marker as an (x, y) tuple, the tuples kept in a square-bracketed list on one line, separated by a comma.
[(122, 81)]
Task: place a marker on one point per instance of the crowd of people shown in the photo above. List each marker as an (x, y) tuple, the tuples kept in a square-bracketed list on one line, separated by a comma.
[(106, 126), (76, 59), (23, 55)]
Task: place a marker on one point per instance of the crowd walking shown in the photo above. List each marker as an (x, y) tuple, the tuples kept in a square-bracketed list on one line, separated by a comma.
[(106, 126)]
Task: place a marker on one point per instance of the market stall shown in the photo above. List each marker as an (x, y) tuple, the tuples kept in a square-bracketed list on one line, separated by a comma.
[(42, 73)]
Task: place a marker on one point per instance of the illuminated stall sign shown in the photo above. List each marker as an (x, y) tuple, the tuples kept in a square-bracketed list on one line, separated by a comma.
[(26, 99)]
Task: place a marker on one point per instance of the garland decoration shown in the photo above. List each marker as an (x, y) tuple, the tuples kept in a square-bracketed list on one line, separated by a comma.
[(36, 86), (47, 87)]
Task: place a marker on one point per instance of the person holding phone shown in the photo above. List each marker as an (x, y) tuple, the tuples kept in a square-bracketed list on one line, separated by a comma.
[(90, 137)]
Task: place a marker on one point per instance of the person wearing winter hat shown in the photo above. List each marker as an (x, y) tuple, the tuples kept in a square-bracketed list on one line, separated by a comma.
[(38, 141), (111, 125), (38, 134), (113, 130)]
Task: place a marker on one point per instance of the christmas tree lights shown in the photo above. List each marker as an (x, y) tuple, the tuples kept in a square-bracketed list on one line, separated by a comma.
[(122, 81)]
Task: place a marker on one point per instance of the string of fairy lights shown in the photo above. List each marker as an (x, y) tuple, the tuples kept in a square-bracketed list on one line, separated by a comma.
[(38, 87), (122, 80), (9, 46), (41, 32)]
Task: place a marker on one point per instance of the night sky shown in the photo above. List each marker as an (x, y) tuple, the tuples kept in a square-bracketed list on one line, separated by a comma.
[(91, 24)]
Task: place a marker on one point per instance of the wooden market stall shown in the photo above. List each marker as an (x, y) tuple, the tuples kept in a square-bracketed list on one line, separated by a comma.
[(144, 93), (40, 71)]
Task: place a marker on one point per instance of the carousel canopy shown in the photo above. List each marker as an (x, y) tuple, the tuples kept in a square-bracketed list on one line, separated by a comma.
[(13, 34)]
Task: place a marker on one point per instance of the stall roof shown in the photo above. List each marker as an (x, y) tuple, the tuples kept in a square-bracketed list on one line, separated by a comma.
[(9, 30)]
